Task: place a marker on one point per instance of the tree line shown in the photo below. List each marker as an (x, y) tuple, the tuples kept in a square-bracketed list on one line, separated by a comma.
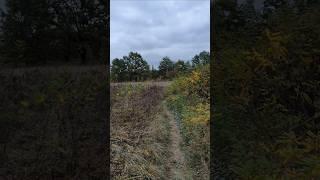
[(135, 68), (36, 32)]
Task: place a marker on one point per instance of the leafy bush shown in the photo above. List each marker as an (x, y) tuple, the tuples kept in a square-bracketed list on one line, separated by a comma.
[(266, 111), (188, 97)]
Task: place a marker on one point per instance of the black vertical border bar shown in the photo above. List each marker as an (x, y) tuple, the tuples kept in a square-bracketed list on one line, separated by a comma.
[(107, 60), (212, 62)]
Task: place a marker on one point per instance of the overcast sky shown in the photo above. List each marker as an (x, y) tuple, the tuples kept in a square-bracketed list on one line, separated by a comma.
[(2, 2), (175, 28)]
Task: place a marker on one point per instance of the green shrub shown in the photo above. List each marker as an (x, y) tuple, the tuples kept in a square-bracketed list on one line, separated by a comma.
[(188, 98)]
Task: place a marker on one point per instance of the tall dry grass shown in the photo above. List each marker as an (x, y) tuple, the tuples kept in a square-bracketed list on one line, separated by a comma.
[(139, 138)]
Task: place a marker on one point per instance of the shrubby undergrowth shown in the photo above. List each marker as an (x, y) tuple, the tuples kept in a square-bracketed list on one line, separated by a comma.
[(266, 89), (188, 98)]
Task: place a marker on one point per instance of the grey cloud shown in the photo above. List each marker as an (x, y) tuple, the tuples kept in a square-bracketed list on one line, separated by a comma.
[(175, 28), (2, 3)]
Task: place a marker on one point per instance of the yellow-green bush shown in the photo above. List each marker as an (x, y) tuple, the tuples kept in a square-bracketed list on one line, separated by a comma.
[(188, 97), (195, 84)]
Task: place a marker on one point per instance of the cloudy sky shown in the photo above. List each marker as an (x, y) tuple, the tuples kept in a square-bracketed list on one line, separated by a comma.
[(175, 28), (2, 3)]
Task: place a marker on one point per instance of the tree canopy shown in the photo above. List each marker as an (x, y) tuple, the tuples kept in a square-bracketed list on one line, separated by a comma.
[(130, 68), (166, 66), (39, 32), (135, 68)]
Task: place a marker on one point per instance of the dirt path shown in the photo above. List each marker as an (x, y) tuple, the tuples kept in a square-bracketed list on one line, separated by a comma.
[(177, 164)]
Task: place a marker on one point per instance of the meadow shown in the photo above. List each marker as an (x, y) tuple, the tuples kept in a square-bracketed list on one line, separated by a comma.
[(160, 131)]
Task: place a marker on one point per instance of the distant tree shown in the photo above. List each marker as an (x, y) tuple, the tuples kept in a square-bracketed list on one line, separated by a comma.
[(180, 67), (166, 67), (119, 71), (138, 68), (154, 74), (202, 58), (195, 61), (188, 66)]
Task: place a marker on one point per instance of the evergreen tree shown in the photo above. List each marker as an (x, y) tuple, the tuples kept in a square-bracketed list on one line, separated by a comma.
[(119, 70), (201, 59), (180, 67), (166, 67), (138, 68)]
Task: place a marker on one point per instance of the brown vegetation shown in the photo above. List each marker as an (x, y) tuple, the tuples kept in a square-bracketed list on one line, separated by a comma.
[(139, 136)]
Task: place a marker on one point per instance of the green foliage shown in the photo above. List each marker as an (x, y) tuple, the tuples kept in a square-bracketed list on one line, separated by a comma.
[(180, 67), (188, 97), (154, 74), (119, 70), (37, 32), (266, 97), (135, 68), (203, 58), (136, 65), (130, 68), (166, 67)]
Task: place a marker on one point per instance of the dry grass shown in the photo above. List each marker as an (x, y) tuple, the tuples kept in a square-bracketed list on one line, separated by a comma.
[(139, 136)]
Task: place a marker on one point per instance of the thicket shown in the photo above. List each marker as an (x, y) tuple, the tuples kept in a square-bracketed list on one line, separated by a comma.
[(266, 90), (188, 97)]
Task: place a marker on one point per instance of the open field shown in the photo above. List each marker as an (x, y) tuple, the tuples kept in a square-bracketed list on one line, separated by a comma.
[(146, 137)]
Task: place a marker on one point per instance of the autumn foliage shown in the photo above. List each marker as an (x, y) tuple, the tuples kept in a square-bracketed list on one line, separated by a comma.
[(266, 93), (188, 97)]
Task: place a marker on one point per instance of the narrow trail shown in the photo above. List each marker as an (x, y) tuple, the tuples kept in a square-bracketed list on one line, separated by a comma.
[(177, 163)]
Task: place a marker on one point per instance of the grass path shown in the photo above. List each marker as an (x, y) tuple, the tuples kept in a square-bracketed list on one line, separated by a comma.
[(157, 152), (177, 165)]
